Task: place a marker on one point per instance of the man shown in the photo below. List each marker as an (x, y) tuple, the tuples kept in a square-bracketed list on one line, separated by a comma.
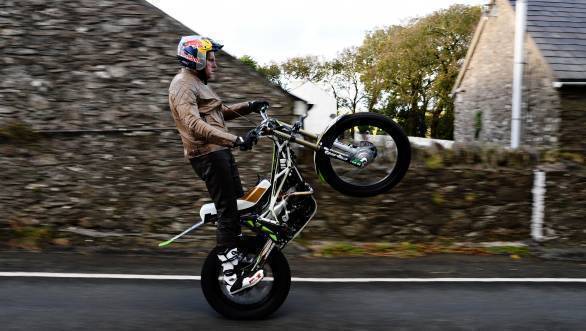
[(199, 115)]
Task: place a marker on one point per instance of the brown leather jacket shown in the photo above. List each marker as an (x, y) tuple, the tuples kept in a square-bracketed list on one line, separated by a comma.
[(199, 115)]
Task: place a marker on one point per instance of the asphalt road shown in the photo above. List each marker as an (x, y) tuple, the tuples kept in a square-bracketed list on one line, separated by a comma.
[(118, 304), (89, 304)]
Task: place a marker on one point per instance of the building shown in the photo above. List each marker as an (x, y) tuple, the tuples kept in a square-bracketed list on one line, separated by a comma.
[(554, 89), (323, 109), (103, 65)]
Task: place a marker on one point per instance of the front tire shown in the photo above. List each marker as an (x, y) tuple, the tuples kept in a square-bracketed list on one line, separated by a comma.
[(255, 303), (388, 167)]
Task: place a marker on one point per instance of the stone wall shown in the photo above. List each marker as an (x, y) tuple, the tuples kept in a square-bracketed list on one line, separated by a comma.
[(126, 190), (458, 196), (484, 100), (565, 212), (79, 64), (129, 191)]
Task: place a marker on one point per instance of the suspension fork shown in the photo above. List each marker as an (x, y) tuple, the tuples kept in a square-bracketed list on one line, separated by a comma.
[(262, 257), (310, 135), (344, 155), (308, 144)]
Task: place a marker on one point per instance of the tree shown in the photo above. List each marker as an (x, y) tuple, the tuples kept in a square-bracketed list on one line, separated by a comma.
[(271, 71), (340, 76), (345, 80), (310, 68), (408, 71), (249, 61)]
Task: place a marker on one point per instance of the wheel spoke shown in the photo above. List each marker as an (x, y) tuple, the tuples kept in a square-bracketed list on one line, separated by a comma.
[(255, 294)]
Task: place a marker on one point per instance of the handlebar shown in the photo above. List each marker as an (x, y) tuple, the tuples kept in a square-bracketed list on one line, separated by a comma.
[(274, 127)]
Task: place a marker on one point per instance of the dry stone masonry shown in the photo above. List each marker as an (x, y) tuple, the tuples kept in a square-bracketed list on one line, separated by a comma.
[(74, 64), (75, 72)]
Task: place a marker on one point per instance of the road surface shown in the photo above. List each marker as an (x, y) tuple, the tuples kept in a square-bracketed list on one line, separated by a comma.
[(32, 303)]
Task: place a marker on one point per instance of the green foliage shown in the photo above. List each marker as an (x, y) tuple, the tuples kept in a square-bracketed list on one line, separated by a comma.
[(271, 71), (249, 61), (18, 132), (364, 129), (409, 250), (34, 233), (27, 237), (408, 71), (309, 68), (470, 197), (403, 71), (434, 161), (341, 75), (477, 124), (572, 156), (342, 249), (509, 250), (438, 198)]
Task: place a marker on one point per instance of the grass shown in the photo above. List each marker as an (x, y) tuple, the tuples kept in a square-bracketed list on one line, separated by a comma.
[(342, 249), (29, 237), (520, 251), (408, 249)]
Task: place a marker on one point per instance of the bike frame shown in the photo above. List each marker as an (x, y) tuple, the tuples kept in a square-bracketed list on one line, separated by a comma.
[(282, 167)]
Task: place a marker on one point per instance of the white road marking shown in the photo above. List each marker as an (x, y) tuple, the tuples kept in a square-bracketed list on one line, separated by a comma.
[(301, 279), (102, 276), (440, 280)]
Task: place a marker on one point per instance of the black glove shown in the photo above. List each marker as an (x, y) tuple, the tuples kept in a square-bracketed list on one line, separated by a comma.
[(245, 143), (257, 105)]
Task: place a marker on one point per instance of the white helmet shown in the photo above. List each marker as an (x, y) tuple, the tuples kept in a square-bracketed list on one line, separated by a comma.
[(192, 51)]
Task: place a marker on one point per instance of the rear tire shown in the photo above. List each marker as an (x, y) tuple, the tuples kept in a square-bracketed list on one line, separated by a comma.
[(396, 172), (227, 304)]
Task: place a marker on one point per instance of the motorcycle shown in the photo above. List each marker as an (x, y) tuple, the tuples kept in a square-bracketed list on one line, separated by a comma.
[(360, 155)]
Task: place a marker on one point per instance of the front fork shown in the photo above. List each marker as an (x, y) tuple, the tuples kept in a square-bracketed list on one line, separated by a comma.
[(263, 256)]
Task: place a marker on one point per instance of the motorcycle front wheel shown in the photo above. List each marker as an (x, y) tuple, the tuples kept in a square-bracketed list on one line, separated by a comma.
[(257, 302), (363, 136)]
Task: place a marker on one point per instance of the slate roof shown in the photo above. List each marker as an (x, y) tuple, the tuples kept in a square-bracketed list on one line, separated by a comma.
[(559, 29)]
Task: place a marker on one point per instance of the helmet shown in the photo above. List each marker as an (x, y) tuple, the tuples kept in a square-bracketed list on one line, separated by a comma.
[(192, 51)]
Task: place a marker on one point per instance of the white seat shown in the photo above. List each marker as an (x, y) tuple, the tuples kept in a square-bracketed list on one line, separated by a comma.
[(251, 198)]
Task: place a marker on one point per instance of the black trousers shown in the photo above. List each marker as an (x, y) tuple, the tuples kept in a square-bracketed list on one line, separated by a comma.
[(220, 173)]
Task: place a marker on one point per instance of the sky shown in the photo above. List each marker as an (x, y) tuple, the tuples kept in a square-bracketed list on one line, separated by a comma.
[(270, 30)]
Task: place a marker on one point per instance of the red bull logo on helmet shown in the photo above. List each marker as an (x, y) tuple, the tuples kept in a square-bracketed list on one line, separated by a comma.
[(201, 44)]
